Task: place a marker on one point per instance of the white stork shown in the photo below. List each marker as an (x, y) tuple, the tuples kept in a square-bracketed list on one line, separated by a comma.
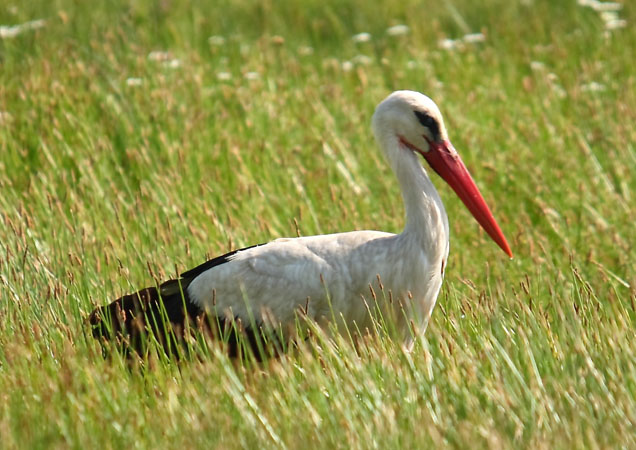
[(328, 276)]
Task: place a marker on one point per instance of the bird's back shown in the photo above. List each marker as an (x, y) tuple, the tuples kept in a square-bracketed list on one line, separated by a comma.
[(315, 273)]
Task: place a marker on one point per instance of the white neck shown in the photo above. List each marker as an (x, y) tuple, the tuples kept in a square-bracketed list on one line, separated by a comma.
[(426, 219)]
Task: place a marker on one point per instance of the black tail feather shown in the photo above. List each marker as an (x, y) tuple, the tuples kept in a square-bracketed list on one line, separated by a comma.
[(168, 315)]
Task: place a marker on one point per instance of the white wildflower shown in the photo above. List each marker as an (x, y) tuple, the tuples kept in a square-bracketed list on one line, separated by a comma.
[(223, 76), (159, 56), (252, 76), (347, 66), (593, 87), (172, 64), (450, 44), (11, 31), (608, 6), (133, 81), (612, 20), (601, 6), (361, 37), (473, 38), (398, 30), (537, 66), (615, 24), (216, 41), (459, 44), (608, 16)]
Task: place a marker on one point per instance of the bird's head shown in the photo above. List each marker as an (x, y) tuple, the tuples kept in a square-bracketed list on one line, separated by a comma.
[(409, 122), (411, 117)]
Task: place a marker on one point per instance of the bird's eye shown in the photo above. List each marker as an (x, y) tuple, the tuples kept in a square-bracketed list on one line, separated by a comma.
[(429, 122), (424, 118)]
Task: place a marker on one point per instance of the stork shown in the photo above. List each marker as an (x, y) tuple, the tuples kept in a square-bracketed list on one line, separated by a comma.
[(328, 278)]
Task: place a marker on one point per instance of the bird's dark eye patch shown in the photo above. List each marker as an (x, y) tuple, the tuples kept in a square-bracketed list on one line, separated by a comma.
[(429, 122)]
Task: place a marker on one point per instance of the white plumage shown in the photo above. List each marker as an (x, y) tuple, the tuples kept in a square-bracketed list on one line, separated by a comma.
[(343, 275), (288, 276)]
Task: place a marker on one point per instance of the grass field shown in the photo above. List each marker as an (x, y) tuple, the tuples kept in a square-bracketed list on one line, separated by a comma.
[(138, 138)]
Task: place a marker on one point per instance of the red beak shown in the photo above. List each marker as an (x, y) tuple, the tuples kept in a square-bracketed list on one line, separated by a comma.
[(445, 160)]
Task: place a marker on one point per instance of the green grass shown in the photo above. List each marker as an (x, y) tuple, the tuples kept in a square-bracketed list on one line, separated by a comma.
[(106, 184)]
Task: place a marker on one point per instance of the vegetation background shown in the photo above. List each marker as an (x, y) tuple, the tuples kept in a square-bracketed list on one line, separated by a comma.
[(139, 137)]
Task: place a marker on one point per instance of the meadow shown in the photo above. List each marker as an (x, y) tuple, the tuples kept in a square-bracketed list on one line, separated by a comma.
[(138, 138)]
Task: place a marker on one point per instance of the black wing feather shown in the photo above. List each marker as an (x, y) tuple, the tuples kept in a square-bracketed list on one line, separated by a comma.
[(168, 313), (193, 273)]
